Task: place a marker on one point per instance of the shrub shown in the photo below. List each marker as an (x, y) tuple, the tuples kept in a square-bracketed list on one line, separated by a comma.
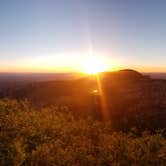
[(54, 137)]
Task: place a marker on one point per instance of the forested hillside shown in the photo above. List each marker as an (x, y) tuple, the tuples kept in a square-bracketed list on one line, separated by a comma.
[(132, 100)]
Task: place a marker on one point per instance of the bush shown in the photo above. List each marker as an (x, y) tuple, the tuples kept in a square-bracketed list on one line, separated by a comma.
[(54, 137)]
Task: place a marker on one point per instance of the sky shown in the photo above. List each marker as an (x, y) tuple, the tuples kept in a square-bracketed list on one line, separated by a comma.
[(58, 35)]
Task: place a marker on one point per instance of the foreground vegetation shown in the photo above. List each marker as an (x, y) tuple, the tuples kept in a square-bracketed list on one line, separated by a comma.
[(54, 137)]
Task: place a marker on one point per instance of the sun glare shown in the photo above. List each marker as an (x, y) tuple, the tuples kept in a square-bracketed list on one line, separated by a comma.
[(92, 65)]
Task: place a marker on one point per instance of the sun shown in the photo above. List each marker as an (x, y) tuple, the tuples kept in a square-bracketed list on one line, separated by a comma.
[(93, 65)]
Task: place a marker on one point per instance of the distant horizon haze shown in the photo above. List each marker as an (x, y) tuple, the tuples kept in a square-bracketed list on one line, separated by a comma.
[(70, 70)]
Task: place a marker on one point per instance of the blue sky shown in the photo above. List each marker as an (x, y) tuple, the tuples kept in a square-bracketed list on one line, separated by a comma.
[(38, 34)]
